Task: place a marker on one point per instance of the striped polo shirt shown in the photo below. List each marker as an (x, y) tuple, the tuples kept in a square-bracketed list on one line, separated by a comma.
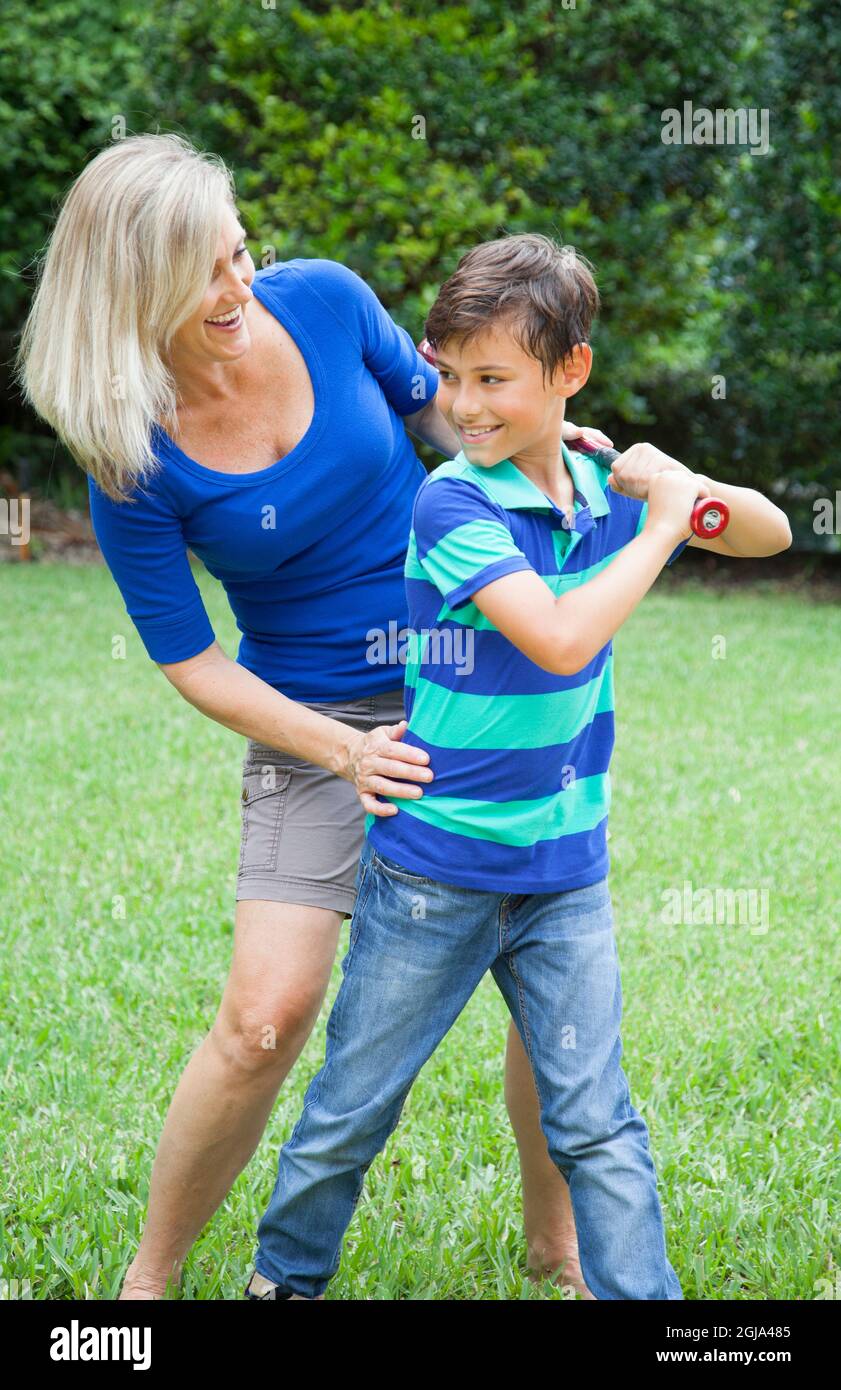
[(520, 797)]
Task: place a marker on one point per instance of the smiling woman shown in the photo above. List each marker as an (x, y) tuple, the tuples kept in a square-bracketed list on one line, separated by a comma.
[(231, 322), (257, 419), (270, 390), (126, 227)]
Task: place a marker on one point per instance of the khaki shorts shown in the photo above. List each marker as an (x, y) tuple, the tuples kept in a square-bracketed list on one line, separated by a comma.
[(302, 826)]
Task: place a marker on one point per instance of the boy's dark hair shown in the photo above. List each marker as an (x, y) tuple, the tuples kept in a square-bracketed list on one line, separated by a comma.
[(544, 292)]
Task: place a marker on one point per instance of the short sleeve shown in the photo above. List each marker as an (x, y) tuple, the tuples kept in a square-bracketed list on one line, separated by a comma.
[(462, 538), (144, 547), (408, 381), (640, 510)]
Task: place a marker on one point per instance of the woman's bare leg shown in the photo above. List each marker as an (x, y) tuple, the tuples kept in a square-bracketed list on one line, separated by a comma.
[(282, 959), (549, 1223)]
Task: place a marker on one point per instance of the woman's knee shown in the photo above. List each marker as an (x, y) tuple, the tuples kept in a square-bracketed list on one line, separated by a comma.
[(283, 957), (266, 1032)]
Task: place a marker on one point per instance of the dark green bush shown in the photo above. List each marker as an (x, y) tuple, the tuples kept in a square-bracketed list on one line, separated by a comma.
[(711, 262)]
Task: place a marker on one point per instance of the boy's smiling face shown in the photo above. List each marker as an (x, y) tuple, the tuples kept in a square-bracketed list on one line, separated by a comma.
[(496, 398)]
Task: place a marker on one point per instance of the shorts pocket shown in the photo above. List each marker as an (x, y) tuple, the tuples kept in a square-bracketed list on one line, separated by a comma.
[(264, 792)]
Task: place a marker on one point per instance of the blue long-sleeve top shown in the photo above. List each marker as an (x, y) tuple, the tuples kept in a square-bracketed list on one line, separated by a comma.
[(310, 551)]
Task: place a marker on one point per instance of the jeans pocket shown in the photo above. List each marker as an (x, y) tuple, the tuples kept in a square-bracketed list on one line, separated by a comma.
[(393, 870), (264, 793), (590, 908)]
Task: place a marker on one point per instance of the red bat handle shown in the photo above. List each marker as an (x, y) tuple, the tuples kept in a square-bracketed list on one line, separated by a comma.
[(710, 515)]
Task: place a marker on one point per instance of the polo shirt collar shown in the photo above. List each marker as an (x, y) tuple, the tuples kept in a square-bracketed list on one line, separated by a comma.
[(512, 489)]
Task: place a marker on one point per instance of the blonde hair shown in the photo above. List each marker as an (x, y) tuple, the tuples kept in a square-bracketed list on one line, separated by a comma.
[(129, 260)]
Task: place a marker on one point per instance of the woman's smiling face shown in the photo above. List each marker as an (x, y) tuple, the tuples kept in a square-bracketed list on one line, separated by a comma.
[(218, 330)]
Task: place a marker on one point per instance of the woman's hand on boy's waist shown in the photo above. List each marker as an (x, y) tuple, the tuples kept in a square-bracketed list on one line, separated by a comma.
[(378, 764)]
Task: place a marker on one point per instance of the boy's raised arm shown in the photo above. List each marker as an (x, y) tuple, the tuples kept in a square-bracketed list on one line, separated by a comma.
[(562, 634), (757, 526)]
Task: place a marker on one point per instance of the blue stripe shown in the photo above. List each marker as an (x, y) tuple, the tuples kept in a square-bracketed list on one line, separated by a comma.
[(463, 593), (497, 774), (499, 668), (549, 866), (444, 504), (533, 533)]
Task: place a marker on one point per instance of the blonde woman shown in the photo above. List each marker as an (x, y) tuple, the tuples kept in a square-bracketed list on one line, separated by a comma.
[(260, 420)]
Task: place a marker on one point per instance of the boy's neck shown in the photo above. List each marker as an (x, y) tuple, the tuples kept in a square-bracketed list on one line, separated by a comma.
[(545, 467)]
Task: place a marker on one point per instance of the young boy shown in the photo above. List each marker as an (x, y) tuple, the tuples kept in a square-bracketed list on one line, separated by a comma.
[(522, 564)]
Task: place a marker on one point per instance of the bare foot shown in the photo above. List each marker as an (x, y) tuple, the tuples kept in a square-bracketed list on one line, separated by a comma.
[(133, 1293), (563, 1269), (138, 1285)]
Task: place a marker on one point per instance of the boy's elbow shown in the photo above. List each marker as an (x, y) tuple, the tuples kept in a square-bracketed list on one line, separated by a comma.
[(562, 653), (565, 660), (772, 541), (552, 639), (572, 664), (780, 540)]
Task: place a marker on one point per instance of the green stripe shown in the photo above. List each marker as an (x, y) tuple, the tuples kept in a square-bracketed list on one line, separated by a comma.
[(579, 807), (641, 519), (563, 544), (465, 550), (456, 719), (471, 616), (413, 569), (559, 583), (451, 468)]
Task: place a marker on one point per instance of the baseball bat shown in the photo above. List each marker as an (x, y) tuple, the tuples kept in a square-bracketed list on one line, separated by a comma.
[(710, 516)]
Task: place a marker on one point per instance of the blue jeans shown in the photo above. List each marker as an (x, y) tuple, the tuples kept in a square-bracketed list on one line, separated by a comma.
[(417, 951)]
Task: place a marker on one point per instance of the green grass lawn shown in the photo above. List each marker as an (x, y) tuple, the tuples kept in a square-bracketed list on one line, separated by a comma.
[(119, 798)]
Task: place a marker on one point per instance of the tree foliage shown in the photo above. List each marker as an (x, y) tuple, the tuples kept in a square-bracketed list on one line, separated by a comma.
[(393, 136)]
